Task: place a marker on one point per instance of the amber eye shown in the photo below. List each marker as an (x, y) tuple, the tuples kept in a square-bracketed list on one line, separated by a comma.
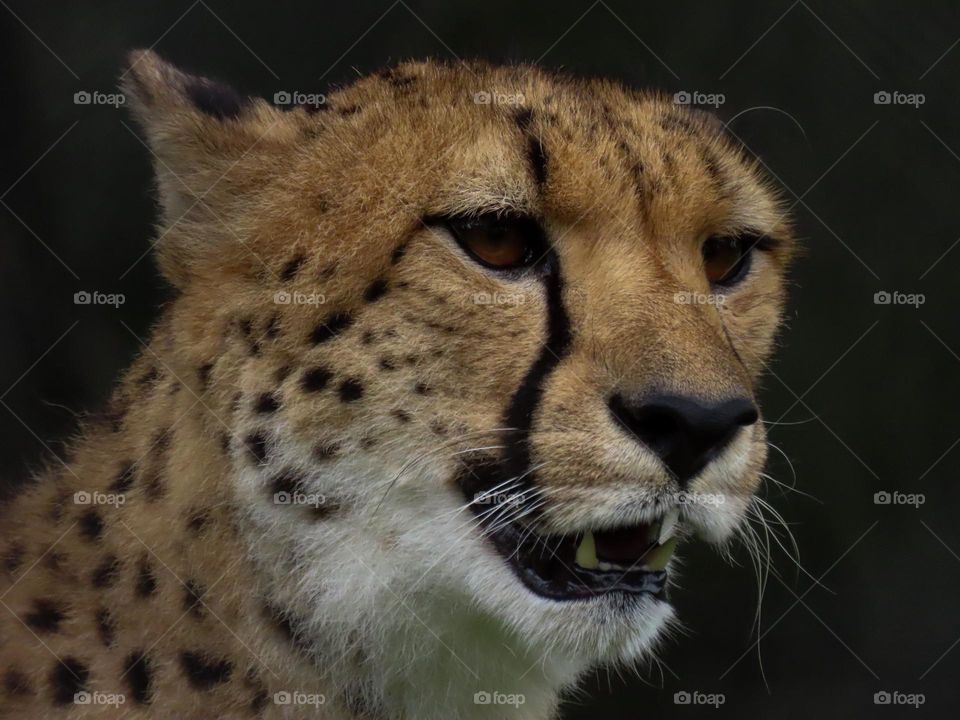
[(726, 260), (502, 243)]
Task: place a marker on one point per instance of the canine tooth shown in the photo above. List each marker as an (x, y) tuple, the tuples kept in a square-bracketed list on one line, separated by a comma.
[(668, 524), (658, 558), (587, 552)]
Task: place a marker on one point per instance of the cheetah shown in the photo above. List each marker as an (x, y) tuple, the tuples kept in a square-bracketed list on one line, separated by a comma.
[(455, 357)]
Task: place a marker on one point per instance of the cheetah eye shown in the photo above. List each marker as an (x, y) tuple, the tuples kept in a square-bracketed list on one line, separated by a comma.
[(500, 242), (726, 260)]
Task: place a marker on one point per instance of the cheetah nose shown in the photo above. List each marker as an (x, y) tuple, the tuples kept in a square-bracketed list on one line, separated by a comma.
[(685, 432)]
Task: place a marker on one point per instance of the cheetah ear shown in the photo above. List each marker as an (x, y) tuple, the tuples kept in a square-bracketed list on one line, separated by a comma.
[(210, 146)]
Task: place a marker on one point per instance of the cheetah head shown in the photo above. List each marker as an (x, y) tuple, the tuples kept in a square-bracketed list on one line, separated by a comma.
[(488, 342)]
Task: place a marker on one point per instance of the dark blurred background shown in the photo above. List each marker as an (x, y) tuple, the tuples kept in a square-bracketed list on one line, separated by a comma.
[(864, 395)]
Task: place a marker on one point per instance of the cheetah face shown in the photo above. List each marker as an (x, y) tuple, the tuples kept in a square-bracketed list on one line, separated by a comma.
[(509, 349)]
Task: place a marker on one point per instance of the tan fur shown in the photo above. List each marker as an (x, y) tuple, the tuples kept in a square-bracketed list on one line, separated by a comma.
[(634, 185)]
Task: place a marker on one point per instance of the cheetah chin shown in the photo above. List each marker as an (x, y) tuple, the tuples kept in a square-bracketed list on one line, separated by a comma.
[(456, 358)]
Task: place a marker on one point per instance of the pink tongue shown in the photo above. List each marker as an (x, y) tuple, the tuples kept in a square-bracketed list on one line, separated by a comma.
[(624, 545)]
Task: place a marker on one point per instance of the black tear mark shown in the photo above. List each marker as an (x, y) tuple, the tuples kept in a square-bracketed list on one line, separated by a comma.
[(204, 672), (193, 592), (215, 99), (16, 683), (536, 153), (290, 270), (91, 525), (124, 479), (68, 677), (106, 627), (105, 574), (137, 671), (257, 447), (331, 327), (146, 580), (315, 379), (350, 390), (376, 290)]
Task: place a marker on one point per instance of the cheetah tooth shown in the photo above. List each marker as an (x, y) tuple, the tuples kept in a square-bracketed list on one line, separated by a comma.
[(587, 552), (668, 525)]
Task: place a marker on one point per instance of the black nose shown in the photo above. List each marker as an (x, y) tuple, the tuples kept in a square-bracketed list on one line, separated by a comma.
[(685, 432)]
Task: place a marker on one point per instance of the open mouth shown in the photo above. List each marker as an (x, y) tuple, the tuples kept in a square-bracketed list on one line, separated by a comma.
[(630, 560)]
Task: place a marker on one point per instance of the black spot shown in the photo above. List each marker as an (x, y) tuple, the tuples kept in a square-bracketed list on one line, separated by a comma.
[(368, 337), (367, 442), (193, 592), (204, 672), (197, 521), (149, 377), (45, 616), (350, 390), (16, 683), (259, 701), (266, 403), (146, 580), (91, 525), (376, 290), (438, 428), (203, 374), (292, 267), (68, 677), (153, 486), (257, 447), (13, 558), (282, 373), (401, 415), (325, 451), (224, 442), (348, 110), (316, 379), (387, 364), (273, 327), (422, 389), (215, 99), (124, 478), (106, 627), (330, 328), (105, 575), (246, 326), (398, 252), (288, 482), (536, 154), (136, 671), (288, 625)]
